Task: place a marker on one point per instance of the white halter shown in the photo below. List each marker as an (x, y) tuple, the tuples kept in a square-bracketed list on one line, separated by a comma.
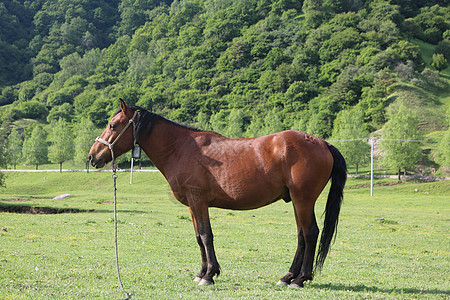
[(111, 145)]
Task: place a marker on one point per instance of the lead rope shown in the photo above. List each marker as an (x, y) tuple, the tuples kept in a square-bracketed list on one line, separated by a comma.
[(114, 176)]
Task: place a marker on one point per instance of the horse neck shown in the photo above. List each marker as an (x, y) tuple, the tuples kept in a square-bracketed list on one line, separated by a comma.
[(162, 145)]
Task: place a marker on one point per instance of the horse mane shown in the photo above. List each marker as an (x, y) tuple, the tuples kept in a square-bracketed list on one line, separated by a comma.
[(145, 118)]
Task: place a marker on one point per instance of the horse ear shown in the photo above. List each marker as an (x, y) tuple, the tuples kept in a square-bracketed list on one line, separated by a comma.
[(123, 105)]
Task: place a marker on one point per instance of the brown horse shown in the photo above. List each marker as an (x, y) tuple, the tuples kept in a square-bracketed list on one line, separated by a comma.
[(205, 169)]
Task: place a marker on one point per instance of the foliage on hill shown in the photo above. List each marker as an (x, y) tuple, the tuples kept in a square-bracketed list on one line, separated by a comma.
[(239, 67)]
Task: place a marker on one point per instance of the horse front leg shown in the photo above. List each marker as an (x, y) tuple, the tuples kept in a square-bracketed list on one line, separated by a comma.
[(203, 270), (202, 225)]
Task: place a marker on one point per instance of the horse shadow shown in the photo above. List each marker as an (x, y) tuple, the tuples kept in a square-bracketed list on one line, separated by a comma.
[(375, 289)]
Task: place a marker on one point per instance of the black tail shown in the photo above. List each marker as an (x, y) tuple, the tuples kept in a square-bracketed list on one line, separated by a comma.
[(333, 207)]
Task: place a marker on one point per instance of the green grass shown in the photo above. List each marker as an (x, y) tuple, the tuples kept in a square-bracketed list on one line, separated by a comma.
[(443, 96), (394, 245), (426, 49)]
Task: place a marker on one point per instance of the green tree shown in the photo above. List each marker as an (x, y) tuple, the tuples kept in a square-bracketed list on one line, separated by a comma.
[(2, 164), (444, 47), (7, 96), (219, 121), (35, 148), (438, 62), (14, 148), (314, 12), (235, 124), (3, 160), (396, 145), (61, 139), (115, 60), (85, 136), (235, 57), (27, 90), (348, 129), (317, 124), (203, 121), (64, 111), (32, 109), (139, 67), (256, 127), (299, 124), (99, 112), (442, 153), (272, 122)]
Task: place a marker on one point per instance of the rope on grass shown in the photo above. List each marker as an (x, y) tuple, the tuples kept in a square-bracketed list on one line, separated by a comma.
[(116, 247)]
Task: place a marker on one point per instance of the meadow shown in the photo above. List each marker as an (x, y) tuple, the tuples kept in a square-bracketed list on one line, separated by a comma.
[(394, 245)]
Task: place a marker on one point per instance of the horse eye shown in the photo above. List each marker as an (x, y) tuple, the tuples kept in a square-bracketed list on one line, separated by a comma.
[(112, 126)]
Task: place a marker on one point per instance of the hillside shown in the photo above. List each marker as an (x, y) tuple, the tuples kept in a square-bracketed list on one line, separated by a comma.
[(264, 65)]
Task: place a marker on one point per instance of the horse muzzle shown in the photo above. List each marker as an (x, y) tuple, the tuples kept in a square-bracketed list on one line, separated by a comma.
[(97, 162)]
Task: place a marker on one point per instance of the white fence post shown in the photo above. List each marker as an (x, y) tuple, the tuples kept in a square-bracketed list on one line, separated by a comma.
[(372, 140), (131, 177)]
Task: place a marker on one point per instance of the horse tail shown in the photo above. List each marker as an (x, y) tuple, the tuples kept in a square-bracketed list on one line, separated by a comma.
[(333, 206)]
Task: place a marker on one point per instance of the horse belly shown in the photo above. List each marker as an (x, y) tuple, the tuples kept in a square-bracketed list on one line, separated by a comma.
[(242, 189)]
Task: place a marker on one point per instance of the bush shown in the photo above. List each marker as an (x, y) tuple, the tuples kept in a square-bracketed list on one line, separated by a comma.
[(438, 62), (444, 48), (32, 109)]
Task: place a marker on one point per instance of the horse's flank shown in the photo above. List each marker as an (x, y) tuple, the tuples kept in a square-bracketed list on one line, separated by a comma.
[(234, 173)]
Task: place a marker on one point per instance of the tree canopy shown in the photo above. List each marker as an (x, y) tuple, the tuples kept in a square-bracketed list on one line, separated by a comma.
[(398, 135), (348, 135), (243, 68), (35, 151), (61, 139)]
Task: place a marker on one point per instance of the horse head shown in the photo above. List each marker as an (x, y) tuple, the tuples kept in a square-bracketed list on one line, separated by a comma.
[(116, 139)]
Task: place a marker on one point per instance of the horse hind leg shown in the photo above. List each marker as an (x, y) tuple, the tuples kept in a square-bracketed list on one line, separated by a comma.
[(310, 236), (294, 270), (308, 231)]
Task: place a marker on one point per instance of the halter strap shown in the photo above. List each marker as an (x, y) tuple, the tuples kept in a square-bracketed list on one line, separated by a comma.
[(111, 145)]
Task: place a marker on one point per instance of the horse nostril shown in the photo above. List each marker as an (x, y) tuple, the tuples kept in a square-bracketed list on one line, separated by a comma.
[(90, 157)]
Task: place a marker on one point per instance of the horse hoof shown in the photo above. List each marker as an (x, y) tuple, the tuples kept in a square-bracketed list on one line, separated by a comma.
[(295, 285), (281, 282), (197, 279), (205, 282)]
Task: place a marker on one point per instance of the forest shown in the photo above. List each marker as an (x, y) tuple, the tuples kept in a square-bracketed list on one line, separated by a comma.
[(241, 68)]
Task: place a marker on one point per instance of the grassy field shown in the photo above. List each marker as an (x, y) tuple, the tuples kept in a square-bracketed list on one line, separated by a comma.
[(394, 245)]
